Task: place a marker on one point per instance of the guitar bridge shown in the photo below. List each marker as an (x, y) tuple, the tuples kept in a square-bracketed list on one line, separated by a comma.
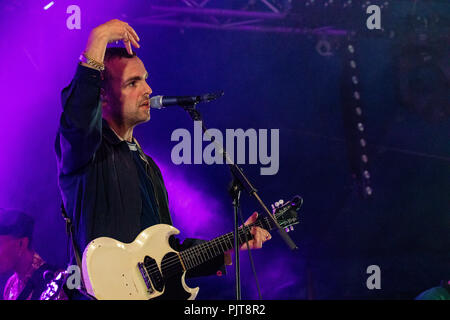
[(147, 281)]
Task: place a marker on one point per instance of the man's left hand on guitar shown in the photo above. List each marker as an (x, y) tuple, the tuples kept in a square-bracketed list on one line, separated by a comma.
[(259, 237)]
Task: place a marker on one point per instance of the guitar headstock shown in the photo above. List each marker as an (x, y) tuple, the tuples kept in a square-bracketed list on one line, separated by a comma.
[(286, 212)]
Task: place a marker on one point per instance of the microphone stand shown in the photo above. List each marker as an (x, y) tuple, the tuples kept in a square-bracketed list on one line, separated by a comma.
[(235, 193), (239, 183)]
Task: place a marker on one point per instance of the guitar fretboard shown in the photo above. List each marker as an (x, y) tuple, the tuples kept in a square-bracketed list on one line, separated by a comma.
[(201, 253)]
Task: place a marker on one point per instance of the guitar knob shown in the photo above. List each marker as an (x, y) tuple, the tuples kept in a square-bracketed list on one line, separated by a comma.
[(281, 202), (287, 229), (292, 228)]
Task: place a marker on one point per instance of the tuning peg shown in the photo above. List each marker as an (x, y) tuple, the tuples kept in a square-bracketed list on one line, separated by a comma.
[(279, 203), (292, 228)]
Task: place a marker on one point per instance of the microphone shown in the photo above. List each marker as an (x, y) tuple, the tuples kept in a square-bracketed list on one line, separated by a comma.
[(160, 102)]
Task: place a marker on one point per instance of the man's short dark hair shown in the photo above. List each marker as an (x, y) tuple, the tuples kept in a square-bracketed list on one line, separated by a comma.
[(117, 52), (114, 53)]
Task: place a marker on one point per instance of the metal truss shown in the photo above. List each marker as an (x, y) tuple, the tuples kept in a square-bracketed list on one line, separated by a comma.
[(270, 16)]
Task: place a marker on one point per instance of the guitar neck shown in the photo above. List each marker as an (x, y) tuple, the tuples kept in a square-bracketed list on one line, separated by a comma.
[(206, 251)]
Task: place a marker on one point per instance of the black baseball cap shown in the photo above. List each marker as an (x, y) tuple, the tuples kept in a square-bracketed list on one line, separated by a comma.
[(16, 223)]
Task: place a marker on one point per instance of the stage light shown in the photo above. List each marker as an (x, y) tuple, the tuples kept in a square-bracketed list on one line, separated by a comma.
[(49, 5), (360, 126), (362, 142), (351, 49), (323, 47), (354, 125)]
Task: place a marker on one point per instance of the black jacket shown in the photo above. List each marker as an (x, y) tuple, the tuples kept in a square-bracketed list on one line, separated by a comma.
[(98, 178)]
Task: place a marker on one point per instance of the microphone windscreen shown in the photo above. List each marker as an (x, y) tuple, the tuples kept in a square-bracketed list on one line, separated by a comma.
[(156, 102)]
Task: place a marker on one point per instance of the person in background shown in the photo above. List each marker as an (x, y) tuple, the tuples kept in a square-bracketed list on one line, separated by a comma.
[(17, 256), (441, 292)]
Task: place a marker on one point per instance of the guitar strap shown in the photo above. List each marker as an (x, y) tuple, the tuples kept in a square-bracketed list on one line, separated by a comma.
[(142, 154), (69, 225), (150, 174), (69, 231)]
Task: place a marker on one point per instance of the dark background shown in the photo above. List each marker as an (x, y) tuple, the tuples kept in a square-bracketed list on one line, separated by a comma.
[(271, 81)]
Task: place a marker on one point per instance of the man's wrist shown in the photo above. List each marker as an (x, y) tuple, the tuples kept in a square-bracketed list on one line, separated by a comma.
[(88, 61), (98, 35)]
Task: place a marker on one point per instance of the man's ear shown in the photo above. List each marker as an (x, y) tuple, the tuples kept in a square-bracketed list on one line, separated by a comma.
[(23, 243)]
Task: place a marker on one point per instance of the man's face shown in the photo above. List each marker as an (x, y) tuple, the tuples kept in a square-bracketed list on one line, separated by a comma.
[(10, 250), (126, 99)]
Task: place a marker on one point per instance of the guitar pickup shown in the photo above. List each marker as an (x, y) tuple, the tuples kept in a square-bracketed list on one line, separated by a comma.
[(153, 274), (147, 281)]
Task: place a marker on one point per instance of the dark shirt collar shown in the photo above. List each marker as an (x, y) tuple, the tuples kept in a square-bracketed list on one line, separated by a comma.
[(109, 134), (112, 137)]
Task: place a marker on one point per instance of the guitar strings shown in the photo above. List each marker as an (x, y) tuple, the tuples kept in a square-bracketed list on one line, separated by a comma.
[(170, 266), (197, 252)]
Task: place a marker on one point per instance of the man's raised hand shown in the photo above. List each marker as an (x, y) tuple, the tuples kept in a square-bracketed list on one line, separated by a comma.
[(117, 30), (110, 31)]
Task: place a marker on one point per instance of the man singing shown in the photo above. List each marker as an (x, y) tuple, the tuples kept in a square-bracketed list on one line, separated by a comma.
[(110, 188)]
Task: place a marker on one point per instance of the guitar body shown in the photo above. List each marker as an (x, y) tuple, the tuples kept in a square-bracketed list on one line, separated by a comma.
[(148, 268), (113, 270)]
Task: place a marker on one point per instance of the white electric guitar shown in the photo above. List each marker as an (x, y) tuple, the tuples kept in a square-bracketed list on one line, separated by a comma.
[(148, 268)]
